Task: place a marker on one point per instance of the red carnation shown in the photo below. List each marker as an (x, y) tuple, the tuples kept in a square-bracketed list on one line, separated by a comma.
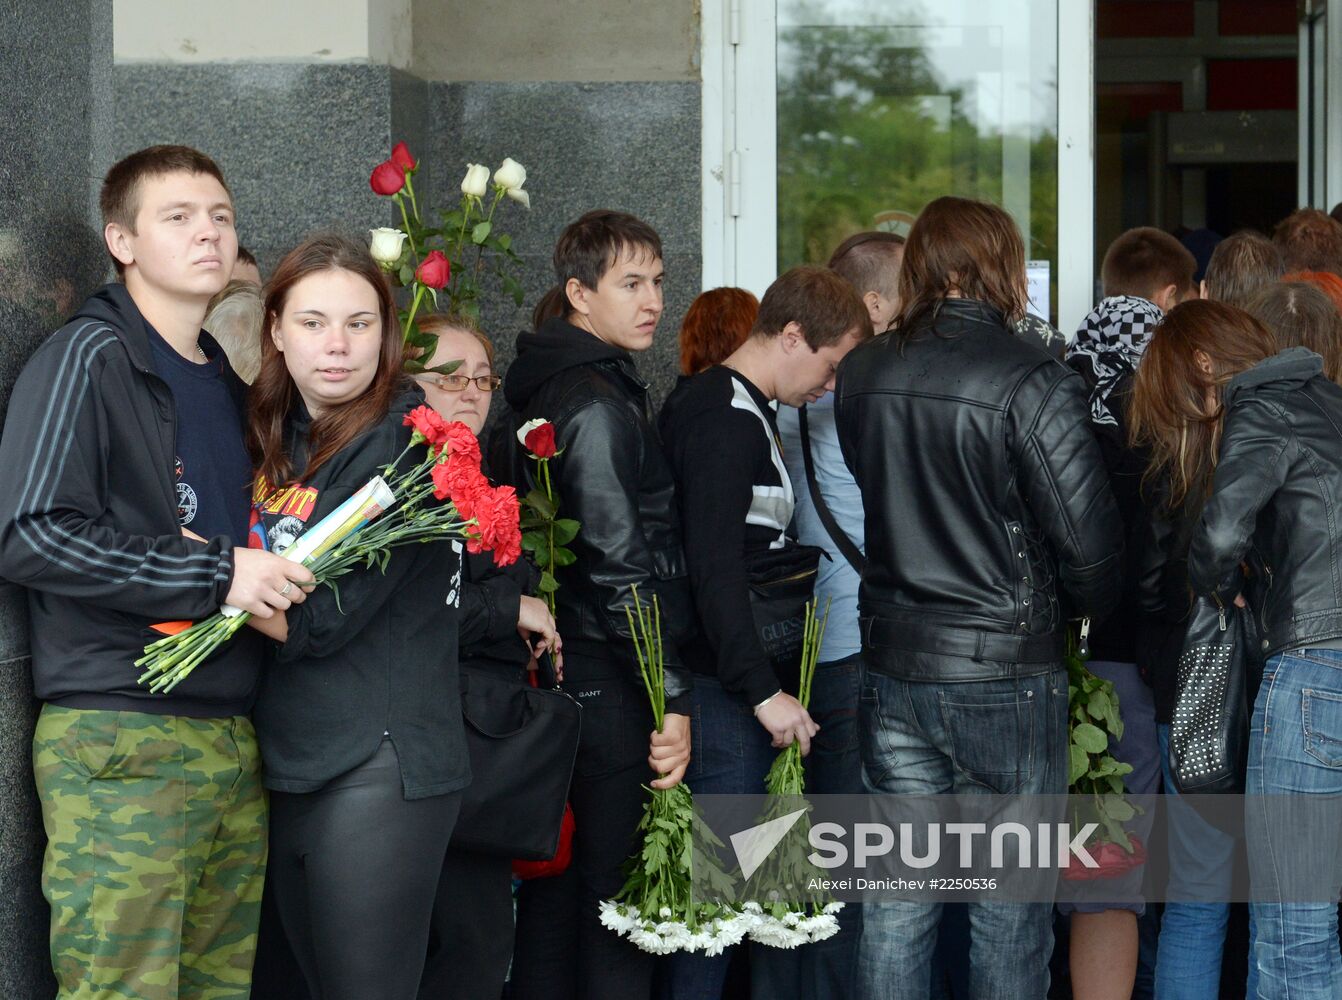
[(388, 178), (435, 271), (540, 441), (400, 155), (428, 424), (497, 515)]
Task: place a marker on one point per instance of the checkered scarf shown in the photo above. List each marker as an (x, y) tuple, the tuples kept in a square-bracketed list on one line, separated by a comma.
[(1109, 344)]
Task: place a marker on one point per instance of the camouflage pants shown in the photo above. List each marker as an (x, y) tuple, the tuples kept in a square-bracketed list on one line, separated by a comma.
[(156, 853)]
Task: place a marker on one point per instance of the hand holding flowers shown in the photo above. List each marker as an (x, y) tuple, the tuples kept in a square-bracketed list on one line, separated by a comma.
[(394, 509)]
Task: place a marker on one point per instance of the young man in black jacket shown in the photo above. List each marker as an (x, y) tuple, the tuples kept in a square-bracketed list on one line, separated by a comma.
[(127, 504), (989, 520), (577, 371)]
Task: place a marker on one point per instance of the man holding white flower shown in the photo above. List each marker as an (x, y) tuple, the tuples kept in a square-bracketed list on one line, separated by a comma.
[(577, 370)]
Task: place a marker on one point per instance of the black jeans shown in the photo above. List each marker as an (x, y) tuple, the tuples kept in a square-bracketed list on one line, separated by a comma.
[(562, 951), (355, 869)]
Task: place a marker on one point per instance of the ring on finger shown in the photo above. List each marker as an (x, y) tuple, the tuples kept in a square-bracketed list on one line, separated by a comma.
[(288, 586)]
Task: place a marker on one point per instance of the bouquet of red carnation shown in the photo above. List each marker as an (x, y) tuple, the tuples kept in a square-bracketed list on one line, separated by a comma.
[(393, 509)]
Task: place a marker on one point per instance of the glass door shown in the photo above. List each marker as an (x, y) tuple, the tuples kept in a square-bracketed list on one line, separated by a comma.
[(1320, 161), (854, 114)]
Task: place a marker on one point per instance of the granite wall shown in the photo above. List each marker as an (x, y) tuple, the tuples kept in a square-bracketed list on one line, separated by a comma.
[(627, 146), (297, 143), (55, 78)]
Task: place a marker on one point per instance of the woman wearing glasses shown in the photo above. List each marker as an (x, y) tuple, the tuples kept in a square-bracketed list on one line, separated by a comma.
[(502, 629)]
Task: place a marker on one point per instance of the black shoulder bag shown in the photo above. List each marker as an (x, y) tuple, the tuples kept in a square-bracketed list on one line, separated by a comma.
[(523, 742), (840, 537)]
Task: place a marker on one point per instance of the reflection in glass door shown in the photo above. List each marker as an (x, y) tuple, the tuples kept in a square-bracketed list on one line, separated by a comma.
[(875, 107), (883, 107)]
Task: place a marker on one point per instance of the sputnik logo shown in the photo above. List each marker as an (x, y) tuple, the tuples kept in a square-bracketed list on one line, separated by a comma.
[(753, 845)]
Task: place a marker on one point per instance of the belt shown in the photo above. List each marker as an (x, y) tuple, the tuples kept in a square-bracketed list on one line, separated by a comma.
[(966, 643)]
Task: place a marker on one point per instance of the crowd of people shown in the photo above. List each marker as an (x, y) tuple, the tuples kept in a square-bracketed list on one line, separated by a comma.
[(977, 482)]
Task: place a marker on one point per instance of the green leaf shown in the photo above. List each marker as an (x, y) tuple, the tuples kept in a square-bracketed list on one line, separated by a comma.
[(566, 529), (1099, 706), (1117, 809), (541, 504), (406, 274), (1090, 738), (481, 232), (505, 241), (548, 584), (1079, 764), (533, 541), (563, 557), (1115, 784), (446, 368)]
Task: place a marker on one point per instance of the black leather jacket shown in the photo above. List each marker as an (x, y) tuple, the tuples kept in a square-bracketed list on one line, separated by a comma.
[(987, 500), (613, 477), (1274, 502)]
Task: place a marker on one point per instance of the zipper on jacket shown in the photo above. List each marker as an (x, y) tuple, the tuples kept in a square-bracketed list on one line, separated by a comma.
[(1262, 609), (1220, 611)]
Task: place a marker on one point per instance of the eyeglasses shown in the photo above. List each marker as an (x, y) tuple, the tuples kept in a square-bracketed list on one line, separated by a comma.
[(458, 383)]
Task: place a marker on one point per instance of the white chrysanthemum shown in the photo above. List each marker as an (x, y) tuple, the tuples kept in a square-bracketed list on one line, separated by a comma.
[(833, 907), (617, 917), (819, 927)]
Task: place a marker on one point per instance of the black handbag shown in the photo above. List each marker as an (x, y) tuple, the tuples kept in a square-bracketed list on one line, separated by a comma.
[(782, 580), (1209, 732), (522, 742)]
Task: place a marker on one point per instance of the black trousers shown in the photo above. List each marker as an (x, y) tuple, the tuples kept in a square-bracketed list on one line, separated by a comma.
[(356, 871), (471, 937), (562, 951)]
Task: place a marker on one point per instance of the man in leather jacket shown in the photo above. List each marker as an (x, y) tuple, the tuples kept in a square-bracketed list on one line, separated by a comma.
[(989, 521), (612, 476)]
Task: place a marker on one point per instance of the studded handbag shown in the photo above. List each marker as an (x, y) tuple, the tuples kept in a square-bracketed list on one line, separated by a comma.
[(1209, 732)]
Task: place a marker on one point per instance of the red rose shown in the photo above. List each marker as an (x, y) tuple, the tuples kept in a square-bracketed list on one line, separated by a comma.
[(434, 271), (541, 440), (428, 424), (400, 155), (388, 178)]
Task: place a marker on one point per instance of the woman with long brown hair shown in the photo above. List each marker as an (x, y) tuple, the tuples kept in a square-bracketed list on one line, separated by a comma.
[(1257, 433), (359, 714)]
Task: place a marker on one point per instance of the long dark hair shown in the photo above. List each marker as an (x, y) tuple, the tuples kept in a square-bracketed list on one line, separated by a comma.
[(274, 393), (1169, 411), (968, 247)]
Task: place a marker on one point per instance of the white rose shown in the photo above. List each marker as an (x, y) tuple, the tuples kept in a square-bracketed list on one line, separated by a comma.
[(511, 175), (385, 245), (527, 428), (476, 181), (517, 194)]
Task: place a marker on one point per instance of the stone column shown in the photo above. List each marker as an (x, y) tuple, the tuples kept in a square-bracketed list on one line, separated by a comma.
[(55, 80)]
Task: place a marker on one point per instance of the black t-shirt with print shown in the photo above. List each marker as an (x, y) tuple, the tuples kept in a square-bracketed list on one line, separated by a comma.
[(213, 471)]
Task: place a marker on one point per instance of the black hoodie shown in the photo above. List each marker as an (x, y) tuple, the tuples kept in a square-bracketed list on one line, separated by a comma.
[(89, 524), (613, 477)]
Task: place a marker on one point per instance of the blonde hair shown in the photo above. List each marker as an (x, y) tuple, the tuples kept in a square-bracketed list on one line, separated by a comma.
[(234, 318)]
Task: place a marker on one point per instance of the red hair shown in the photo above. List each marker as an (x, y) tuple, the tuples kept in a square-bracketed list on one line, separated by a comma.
[(1325, 281), (717, 323)]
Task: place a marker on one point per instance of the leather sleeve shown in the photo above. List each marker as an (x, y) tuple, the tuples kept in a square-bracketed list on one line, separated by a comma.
[(599, 472), (1251, 468), (1062, 478)]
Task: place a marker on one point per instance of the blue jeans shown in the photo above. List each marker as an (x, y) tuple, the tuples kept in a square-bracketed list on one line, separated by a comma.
[(1192, 934), (730, 754), (1003, 736), (1295, 748), (824, 970)]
